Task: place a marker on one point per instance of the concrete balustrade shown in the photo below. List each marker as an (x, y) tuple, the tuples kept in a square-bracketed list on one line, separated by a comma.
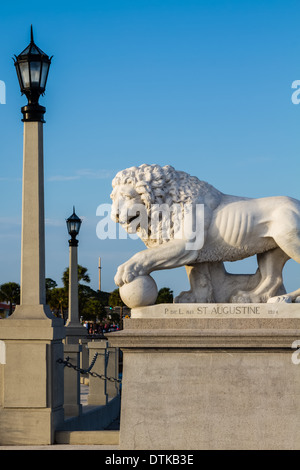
[(72, 415), (98, 387), (72, 405), (112, 370), (101, 391)]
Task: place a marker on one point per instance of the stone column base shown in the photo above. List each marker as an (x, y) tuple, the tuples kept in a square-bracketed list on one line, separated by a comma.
[(23, 426), (215, 380), (31, 380)]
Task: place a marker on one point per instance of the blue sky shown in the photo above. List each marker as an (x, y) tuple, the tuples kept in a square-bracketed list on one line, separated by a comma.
[(202, 85)]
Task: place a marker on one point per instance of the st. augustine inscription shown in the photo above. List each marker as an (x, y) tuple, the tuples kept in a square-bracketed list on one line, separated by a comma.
[(218, 310), (214, 310)]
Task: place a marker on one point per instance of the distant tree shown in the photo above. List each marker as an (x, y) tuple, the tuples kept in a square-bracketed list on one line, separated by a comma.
[(103, 297), (58, 300), (92, 303), (85, 293), (10, 292), (116, 301), (93, 309), (50, 284), (82, 276), (165, 296)]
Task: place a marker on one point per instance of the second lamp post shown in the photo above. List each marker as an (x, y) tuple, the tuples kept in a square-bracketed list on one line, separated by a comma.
[(74, 328)]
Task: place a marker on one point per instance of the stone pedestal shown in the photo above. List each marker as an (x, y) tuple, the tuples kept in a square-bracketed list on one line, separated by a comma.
[(72, 405), (210, 376), (75, 334), (84, 356), (97, 387), (32, 381), (112, 370)]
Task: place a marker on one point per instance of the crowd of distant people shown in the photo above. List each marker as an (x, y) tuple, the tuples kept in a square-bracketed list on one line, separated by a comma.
[(99, 329)]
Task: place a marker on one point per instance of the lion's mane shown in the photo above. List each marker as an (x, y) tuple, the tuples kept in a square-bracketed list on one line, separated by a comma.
[(158, 185)]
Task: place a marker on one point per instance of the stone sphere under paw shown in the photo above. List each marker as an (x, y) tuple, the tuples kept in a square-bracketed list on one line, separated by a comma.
[(142, 291)]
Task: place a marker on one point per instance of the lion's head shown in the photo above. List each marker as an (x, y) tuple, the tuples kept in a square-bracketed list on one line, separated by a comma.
[(139, 192)]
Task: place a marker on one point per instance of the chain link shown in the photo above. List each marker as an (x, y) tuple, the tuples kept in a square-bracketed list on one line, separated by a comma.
[(88, 371), (92, 364)]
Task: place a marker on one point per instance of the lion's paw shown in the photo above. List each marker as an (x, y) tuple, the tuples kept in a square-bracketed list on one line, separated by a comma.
[(123, 276), (128, 271)]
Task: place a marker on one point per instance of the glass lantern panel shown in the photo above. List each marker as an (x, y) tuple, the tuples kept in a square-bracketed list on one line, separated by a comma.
[(73, 226), (19, 76), (24, 69), (76, 226), (45, 69), (26, 51), (34, 50), (35, 73)]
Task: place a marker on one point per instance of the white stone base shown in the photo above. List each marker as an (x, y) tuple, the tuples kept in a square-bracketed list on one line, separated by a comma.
[(210, 382)]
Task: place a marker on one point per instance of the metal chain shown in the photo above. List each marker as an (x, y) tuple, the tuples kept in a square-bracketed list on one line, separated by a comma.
[(88, 371), (92, 364)]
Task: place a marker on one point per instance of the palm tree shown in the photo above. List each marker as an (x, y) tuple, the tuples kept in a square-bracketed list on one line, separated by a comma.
[(84, 291), (58, 300), (82, 276), (10, 292)]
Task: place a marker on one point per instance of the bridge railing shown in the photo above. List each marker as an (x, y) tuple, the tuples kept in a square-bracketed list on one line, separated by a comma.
[(98, 364)]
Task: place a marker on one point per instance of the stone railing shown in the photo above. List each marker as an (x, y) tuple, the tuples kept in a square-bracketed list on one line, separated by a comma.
[(96, 364), (88, 362)]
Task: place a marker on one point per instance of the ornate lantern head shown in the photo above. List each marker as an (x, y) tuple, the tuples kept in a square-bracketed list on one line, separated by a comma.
[(32, 66), (73, 226)]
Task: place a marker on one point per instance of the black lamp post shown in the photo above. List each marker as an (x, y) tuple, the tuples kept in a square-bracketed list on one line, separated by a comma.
[(32, 67), (73, 225), (38, 333), (74, 329)]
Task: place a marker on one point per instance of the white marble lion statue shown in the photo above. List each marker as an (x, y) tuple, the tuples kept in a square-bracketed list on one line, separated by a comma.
[(233, 228)]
